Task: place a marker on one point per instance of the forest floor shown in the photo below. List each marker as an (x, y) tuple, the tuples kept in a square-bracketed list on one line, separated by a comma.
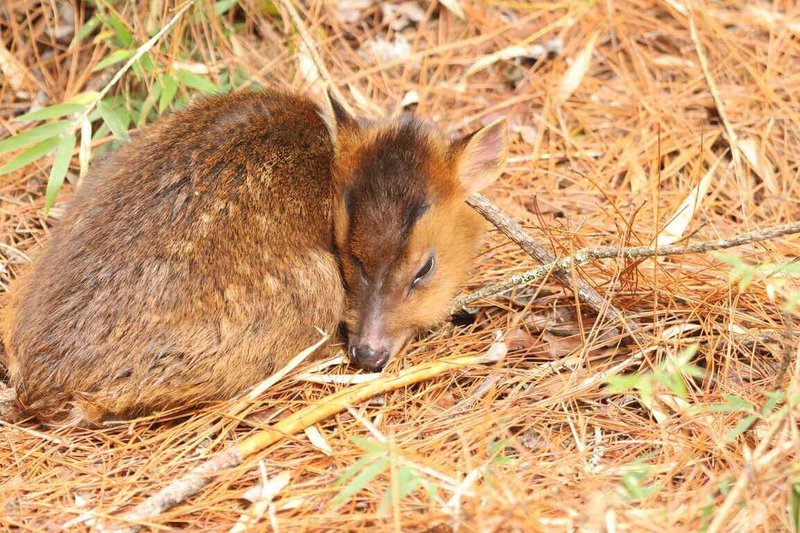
[(633, 123)]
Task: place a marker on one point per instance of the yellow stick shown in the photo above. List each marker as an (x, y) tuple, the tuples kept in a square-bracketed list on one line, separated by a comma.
[(201, 475)]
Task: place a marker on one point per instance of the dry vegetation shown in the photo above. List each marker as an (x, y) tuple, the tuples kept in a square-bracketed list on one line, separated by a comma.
[(622, 111)]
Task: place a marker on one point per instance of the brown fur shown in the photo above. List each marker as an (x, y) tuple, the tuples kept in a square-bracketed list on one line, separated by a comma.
[(201, 256), (189, 266)]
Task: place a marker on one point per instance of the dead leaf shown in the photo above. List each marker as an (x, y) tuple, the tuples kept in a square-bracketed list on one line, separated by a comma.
[(409, 99), (261, 497), (519, 338), (400, 16), (680, 220), (665, 61), (528, 134), (12, 70), (454, 7), (307, 67), (759, 163), (636, 176), (385, 51), (512, 52), (318, 440), (575, 73), (349, 11)]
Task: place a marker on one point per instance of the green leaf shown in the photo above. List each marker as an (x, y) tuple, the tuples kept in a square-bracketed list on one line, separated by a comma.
[(223, 6), (622, 383), (113, 122), (407, 481), (733, 260), (645, 388), (774, 398), (53, 111), (431, 489), (59, 170), (734, 404), (368, 445), (169, 88), (359, 465), (113, 58), (199, 83), (793, 302), (32, 154), (148, 104), (740, 428), (84, 98), (87, 28), (122, 33), (794, 507), (360, 481), (45, 131)]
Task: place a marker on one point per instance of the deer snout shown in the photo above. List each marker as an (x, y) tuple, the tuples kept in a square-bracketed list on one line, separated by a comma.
[(370, 356)]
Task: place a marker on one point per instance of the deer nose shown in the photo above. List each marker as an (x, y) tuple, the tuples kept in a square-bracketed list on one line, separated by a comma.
[(368, 357)]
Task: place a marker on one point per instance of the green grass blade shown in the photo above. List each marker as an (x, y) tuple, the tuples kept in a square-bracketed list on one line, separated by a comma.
[(59, 170)]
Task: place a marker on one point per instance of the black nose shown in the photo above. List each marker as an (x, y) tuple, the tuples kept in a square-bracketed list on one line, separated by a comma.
[(369, 358)]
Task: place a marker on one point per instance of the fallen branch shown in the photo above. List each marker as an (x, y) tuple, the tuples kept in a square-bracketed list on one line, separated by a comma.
[(201, 475), (588, 255), (512, 229)]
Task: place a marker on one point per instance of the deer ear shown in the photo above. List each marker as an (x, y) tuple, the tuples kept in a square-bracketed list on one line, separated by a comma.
[(481, 156), (336, 117)]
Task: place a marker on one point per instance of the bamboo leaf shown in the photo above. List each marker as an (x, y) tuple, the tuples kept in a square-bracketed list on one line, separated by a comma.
[(87, 28), (369, 446), (190, 79), (59, 170), (407, 481), (740, 428), (45, 131), (85, 152), (122, 33), (361, 480), (32, 154), (223, 6), (53, 111), (117, 56), (169, 86), (113, 122), (148, 104)]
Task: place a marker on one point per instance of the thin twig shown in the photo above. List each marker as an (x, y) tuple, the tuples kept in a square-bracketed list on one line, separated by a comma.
[(512, 229), (588, 255)]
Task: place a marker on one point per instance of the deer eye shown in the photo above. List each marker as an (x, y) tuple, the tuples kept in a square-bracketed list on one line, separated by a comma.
[(425, 271)]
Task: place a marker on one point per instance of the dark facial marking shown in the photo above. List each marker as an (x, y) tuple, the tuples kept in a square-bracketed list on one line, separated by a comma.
[(388, 192)]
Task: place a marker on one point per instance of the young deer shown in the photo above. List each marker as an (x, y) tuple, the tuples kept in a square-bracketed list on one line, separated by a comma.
[(200, 257)]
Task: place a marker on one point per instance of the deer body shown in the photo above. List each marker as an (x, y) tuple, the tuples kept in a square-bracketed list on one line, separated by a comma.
[(203, 255)]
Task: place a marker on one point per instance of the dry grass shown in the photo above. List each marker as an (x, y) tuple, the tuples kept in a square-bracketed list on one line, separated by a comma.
[(601, 156)]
